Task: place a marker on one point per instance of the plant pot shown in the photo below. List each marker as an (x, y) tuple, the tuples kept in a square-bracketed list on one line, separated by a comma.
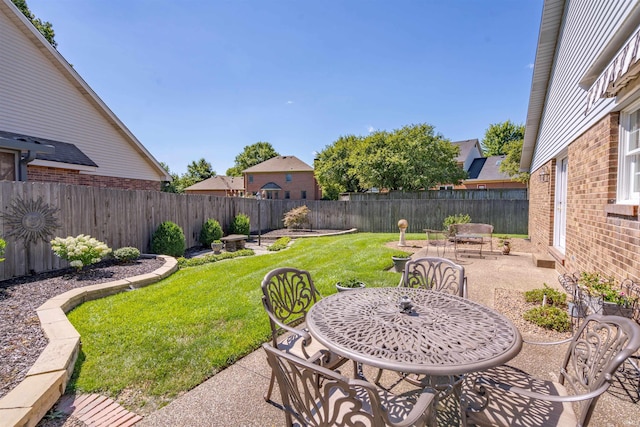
[(506, 249), (399, 263), (341, 288), (577, 310), (216, 247), (613, 309)]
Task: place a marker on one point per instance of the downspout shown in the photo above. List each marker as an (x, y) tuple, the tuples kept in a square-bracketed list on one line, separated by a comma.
[(24, 160)]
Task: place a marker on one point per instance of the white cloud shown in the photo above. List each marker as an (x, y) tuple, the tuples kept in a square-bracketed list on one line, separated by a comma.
[(371, 129), (530, 66), (289, 102)]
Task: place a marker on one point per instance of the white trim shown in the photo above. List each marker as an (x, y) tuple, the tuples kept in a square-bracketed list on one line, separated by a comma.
[(624, 193), (61, 165)]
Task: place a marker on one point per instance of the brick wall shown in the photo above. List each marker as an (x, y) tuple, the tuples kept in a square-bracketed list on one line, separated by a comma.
[(299, 181), (68, 176), (596, 240)]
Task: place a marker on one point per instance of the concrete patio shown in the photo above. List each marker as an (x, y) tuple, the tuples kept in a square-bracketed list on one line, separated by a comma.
[(233, 397)]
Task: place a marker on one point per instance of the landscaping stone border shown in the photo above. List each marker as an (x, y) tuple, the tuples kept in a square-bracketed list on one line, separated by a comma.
[(29, 401)]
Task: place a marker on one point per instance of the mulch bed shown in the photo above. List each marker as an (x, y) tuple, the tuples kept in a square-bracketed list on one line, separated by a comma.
[(21, 338)]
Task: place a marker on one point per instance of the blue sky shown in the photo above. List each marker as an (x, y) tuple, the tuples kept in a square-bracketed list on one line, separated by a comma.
[(199, 78)]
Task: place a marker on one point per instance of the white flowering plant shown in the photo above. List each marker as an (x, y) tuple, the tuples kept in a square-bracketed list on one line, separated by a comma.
[(80, 250)]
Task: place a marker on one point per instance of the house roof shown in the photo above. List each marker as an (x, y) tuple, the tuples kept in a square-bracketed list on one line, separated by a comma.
[(219, 182), (550, 24), (465, 148), (280, 164), (487, 169), (63, 153), (14, 14)]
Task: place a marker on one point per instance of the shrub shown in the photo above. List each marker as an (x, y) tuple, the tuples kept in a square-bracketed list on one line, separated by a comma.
[(126, 254), (240, 224), (351, 283), (455, 219), (211, 230), (168, 240), (3, 245), (297, 217), (80, 250), (279, 244), (554, 297), (549, 317), (205, 259)]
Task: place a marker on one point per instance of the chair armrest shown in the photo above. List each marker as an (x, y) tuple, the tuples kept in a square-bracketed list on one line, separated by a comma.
[(306, 337), (548, 397), (419, 411)]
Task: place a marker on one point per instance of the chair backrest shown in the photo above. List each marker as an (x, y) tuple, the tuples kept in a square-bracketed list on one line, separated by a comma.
[(438, 274), (632, 290), (472, 228), (599, 347), (288, 294), (316, 396)]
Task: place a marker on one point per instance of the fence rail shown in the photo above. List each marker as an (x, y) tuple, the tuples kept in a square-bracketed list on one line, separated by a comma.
[(129, 218)]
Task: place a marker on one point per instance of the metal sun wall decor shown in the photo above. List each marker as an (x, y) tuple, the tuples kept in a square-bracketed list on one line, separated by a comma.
[(31, 220)]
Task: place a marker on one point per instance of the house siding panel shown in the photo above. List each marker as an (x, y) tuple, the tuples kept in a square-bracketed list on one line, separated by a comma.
[(588, 27), (38, 100)]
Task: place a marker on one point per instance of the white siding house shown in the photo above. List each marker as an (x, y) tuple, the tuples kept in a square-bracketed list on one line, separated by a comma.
[(42, 96), (581, 139)]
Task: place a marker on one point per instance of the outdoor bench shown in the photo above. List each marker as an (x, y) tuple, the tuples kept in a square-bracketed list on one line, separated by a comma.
[(234, 242), (471, 233)]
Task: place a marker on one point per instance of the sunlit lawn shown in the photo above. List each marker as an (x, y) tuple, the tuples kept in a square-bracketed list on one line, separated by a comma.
[(171, 336)]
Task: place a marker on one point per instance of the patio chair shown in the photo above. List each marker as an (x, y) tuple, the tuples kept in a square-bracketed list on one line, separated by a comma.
[(505, 396), (288, 294), (438, 274), (316, 396)]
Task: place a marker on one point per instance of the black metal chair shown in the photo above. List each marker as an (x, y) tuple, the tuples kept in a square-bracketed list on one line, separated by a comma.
[(288, 294), (316, 396), (505, 396)]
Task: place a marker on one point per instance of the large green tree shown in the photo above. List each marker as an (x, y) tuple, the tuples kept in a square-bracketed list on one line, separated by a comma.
[(334, 167), (498, 135), (252, 155), (411, 159), (511, 164), (196, 171), (45, 28)]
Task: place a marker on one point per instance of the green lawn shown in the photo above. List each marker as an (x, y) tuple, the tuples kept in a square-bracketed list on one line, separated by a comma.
[(171, 336)]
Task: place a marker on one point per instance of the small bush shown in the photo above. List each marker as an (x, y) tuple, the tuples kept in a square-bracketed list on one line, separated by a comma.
[(126, 254), (549, 317), (192, 262), (351, 283), (3, 245), (279, 244), (80, 250), (241, 225), (554, 297), (168, 240), (297, 217), (455, 219), (211, 230)]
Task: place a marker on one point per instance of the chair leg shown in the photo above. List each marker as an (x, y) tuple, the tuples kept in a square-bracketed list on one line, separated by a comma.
[(267, 396)]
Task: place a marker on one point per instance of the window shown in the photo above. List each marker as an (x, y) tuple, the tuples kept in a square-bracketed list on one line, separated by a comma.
[(446, 187), (287, 177), (287, 195), (482, 187), (250, 179), (303, 194), (629, 157), (276, 195)]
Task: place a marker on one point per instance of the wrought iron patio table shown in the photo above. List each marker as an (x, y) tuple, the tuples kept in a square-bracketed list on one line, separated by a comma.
[(439, 335)]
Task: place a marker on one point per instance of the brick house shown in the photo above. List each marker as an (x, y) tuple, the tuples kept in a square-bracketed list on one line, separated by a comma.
[(53, 126), (282, 177), (484, 172), (581, 139), (219, 185)]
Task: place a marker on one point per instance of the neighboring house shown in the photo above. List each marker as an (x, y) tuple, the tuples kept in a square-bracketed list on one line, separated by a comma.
[(229, 186), (282, 177), (581, 140), (44, 103), (483, 172)]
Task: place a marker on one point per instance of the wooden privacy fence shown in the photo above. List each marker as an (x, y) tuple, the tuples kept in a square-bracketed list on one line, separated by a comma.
[(129, 217)]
